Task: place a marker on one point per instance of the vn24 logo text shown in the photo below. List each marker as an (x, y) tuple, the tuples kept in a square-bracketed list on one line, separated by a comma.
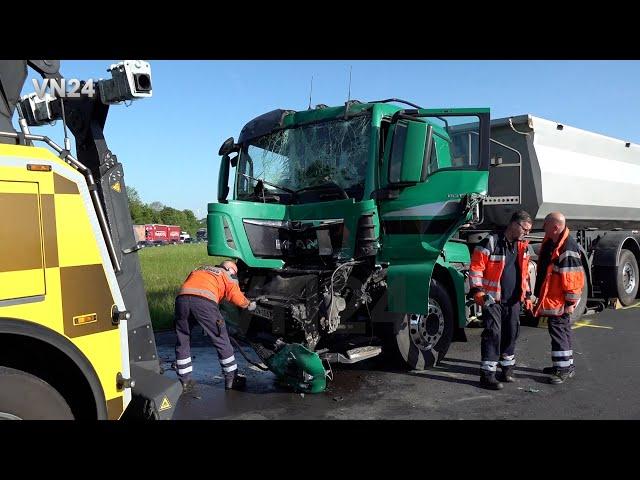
[(64, 88)]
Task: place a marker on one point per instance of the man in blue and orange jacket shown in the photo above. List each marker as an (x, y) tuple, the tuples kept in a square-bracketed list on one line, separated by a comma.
[(499, 278), (198, 301), (558, 289)]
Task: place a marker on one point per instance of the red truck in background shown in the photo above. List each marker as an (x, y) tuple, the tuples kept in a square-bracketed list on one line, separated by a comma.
[(155, 234), (173, 233)]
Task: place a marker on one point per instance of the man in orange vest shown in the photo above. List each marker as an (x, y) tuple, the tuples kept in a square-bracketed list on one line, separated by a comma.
[(559, 285), (499, 278), (198, 300)]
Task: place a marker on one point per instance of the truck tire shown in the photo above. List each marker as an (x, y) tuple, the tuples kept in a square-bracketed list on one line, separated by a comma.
[(423, 340), (627, 278), (26, 397)]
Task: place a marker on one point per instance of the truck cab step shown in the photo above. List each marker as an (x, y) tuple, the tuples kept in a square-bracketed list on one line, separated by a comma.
[(352, 356)]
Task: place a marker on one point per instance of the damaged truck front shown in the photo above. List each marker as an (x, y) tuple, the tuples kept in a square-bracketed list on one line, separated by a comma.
[(341, 219)]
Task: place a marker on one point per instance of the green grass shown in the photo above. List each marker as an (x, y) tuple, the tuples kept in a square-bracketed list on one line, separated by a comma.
[(163, 271)]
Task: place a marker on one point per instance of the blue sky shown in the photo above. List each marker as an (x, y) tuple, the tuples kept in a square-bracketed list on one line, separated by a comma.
[(168, 144)]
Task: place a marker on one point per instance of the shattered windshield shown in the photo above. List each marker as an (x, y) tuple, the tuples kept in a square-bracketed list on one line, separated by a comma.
[(331, 154)]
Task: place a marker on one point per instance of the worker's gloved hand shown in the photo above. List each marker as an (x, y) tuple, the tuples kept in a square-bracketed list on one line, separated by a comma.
[(528, 304), (478, 297), (252, 306)]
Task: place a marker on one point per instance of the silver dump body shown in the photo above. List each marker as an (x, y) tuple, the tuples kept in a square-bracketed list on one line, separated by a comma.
[(591, 178)]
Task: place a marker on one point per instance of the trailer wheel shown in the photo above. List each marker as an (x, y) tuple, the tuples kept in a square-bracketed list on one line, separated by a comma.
[(423, 340), (627, 277), (26, 397)]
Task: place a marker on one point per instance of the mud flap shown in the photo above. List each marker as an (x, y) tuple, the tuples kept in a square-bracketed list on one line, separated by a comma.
[(459, 299), (154, 396)]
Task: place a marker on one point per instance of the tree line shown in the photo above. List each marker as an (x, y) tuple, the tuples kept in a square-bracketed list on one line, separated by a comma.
[(156, 212)]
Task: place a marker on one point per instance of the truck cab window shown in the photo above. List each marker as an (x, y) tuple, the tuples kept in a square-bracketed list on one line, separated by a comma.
[(397, 152), (310, 163), (432, 165), (456, 142)]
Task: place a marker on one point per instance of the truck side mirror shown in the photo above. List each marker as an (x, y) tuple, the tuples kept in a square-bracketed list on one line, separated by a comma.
[(223, 179), (227, 146), (408, 152)]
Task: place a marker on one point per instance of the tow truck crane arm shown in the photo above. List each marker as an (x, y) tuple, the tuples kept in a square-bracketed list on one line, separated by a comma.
[(85, 116)]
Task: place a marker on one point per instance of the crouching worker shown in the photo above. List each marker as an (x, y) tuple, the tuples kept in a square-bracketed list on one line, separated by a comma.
[(198, 300)]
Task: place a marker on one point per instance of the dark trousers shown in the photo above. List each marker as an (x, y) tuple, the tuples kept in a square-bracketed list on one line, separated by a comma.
[(501, 329), (561, 350), (190, 309)]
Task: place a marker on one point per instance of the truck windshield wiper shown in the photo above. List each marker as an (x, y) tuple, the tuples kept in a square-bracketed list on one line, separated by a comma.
[(267, 183)]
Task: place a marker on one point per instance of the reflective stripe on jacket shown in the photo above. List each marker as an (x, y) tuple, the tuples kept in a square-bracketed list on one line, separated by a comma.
[(215, 284), (563, 280), (487, 264)]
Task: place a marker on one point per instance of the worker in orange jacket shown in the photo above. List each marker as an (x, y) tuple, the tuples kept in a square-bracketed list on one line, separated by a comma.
[(499, 283), (558, 288), (198, 300)]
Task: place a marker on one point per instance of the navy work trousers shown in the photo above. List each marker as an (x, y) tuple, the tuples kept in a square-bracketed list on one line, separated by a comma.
[(561, 349), (190, 309), (501, 329)]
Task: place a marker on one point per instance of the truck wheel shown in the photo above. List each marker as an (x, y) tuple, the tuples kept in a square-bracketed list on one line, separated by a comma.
[(627, 277), (26, 397), (423, 340)]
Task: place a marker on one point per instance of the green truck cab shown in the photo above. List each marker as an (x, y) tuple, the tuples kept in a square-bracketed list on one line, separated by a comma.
[(341, 220)]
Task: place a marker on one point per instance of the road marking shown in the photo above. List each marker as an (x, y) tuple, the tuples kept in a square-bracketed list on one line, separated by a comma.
[(585, 324), (630, 306)]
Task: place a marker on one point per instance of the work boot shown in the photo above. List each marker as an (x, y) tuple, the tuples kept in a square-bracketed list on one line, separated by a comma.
[(561, 375), (553, 370), (235, 381), (488, 380), (188, 385), (507, 375)]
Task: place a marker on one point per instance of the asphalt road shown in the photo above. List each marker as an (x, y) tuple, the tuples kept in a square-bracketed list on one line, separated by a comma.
[(606, 386)]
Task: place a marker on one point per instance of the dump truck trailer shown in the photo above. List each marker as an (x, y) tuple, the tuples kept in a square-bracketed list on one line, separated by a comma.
[(357, 222), (594, 180)]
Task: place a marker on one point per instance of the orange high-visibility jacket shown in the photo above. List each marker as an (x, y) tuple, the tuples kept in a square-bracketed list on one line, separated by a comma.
[(487, 265), (563, 280), (214, 284)]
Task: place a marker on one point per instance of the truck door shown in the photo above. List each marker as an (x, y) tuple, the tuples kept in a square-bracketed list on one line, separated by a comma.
[(434, 166)]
